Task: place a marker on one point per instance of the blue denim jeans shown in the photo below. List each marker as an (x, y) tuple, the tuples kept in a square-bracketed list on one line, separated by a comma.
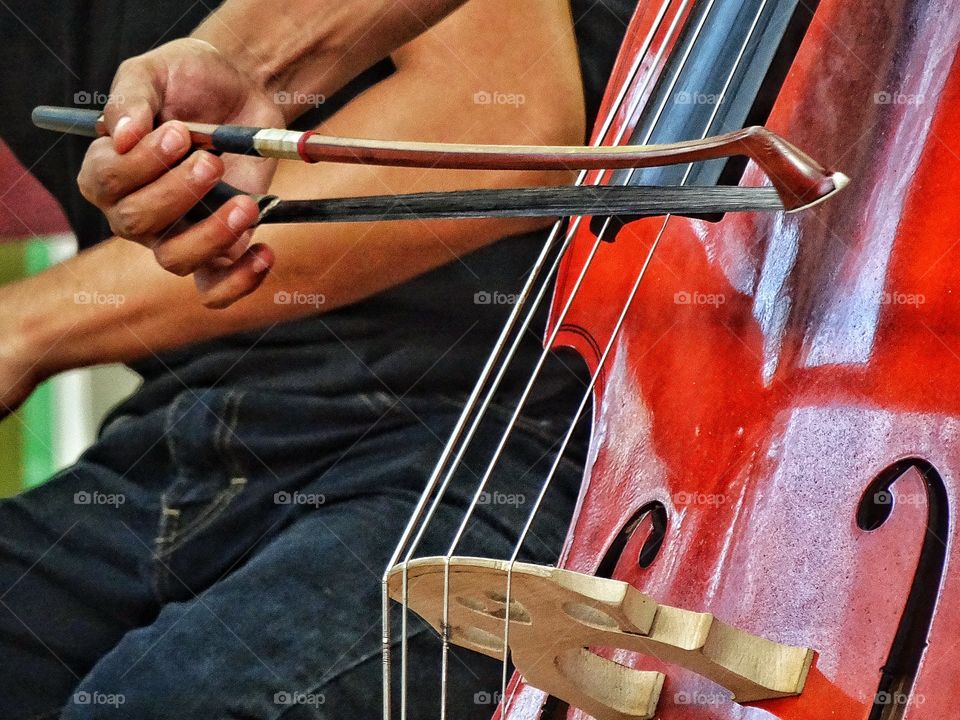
[(220, 557)]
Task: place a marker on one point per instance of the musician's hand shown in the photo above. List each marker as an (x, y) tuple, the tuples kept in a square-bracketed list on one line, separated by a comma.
[(145, 179)]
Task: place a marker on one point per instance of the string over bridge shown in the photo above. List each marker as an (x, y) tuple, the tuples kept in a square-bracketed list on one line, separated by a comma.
[(556, 615)]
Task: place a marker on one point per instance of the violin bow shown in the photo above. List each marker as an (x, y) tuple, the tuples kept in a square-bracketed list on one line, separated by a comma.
[(797, 181)]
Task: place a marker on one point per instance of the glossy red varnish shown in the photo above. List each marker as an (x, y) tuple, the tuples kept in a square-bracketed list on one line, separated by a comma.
[(816, 350)]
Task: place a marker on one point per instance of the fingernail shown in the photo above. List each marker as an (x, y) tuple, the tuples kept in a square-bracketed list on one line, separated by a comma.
[(237, 220), (260, 265), (172, 141), (121, 124), (204, 171)]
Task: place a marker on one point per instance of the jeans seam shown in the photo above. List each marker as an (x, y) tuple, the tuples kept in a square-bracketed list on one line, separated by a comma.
[(166, 531), (168, 427), (227, 429), (210, 513), (172, 533), (171, 536)]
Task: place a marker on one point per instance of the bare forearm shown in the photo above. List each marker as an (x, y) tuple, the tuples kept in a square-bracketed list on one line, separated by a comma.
[(108, 304), (113, 303), (308, 49)]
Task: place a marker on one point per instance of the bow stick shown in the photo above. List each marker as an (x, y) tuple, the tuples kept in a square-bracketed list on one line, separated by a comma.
[(798, 182)]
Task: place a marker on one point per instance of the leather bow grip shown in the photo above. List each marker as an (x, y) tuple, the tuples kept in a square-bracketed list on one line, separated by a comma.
[(89, 123), (215, 199)]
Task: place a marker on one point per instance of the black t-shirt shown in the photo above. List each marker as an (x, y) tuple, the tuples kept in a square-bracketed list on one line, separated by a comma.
[(429, 335)]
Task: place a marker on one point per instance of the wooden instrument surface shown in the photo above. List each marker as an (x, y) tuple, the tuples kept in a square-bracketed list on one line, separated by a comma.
[(785, 393)]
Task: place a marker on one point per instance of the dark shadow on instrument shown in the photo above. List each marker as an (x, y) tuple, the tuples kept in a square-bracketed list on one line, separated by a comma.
[(748, 83), (651, 546)]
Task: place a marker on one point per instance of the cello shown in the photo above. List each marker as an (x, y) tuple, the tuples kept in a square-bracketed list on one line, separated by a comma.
[(774, 397), (772, 464)]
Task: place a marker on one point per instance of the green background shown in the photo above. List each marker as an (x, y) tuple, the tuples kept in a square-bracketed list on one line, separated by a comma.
[(26, 438)]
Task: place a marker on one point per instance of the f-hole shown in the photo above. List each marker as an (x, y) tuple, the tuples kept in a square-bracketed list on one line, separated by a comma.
[(554, 708), (876, 506), (651, 546)]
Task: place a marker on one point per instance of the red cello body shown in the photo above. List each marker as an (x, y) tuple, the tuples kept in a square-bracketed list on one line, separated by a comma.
[(777, 428)]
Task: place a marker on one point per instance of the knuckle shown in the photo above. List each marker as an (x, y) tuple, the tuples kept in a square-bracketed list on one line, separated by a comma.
[(128, 221), (170, 262), (123, 221), (93, 169), (107, 180), (86, 185), (128, 66)]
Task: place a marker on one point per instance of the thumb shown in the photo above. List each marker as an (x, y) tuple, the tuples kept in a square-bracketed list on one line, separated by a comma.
[(135, 99)]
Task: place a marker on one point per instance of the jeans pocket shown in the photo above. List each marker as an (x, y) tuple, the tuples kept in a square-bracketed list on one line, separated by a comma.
[(178, 524)]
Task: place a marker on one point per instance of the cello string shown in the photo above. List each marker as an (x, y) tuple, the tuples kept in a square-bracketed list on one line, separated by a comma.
[(534, 376), (431, 488), (633, 107), (446, 593), (458, 438), (576, 223), (564, 312), (471, 403), (571, 234), (531, 314), (525, 395), (607, 350), (688, 50)]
